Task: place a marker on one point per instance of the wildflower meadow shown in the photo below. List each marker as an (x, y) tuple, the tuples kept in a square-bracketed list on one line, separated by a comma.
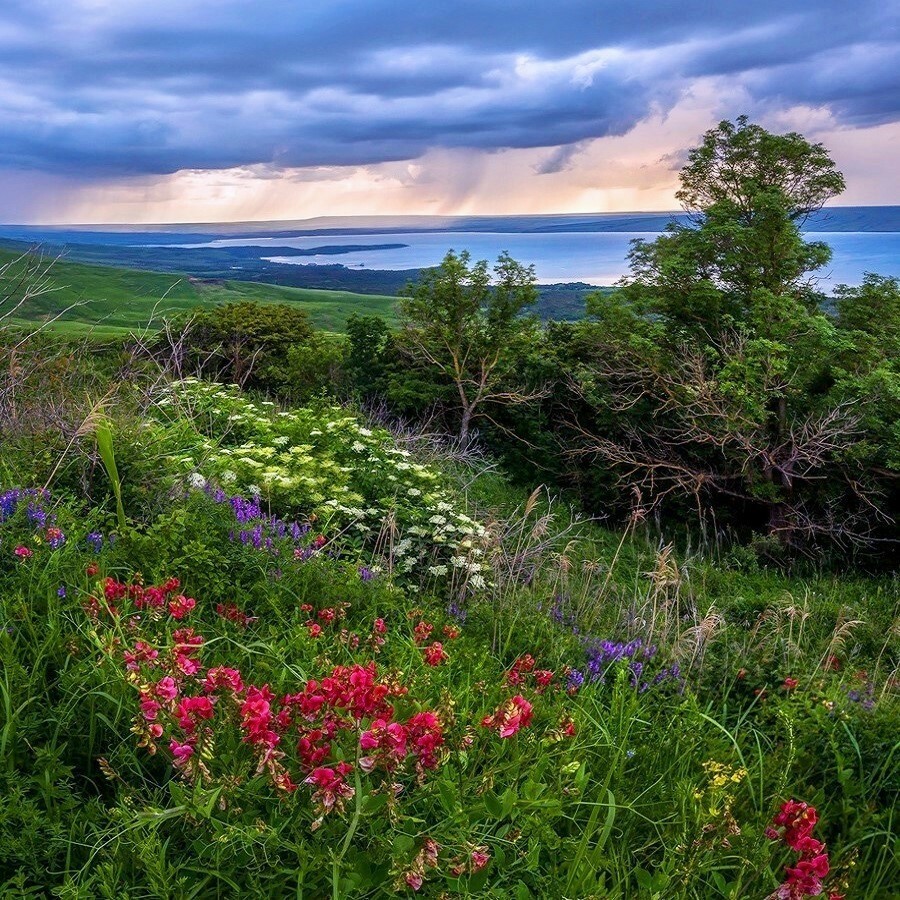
[(277, 652)]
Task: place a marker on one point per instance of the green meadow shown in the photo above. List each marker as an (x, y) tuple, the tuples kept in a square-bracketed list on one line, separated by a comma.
[(111, 302)]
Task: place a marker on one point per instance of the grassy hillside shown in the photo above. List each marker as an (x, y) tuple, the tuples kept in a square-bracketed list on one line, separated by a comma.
[(111, 301)]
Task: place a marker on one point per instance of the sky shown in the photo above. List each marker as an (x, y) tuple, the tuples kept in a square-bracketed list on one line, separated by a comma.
[(140, 111)]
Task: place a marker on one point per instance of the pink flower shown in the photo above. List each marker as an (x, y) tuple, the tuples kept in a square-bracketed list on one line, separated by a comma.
[(426, 737), (166, 688), (149, 706), (331, 788), (435, 654), (180, 606), (388, 741), (222, 677), (181, 753), (315, 630), (509, 717), (790, 683), (256, 717), (480, 858), (23, 552)]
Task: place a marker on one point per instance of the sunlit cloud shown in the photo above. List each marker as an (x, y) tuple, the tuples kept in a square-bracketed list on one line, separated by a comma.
[(216, 110)]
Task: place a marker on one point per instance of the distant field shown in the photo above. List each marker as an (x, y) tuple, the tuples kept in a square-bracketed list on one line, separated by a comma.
[(109, 301)]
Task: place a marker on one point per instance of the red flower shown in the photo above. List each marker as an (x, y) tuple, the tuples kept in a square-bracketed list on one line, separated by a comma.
[(91, 569), (142, 653), (192, 710), (223, 677), (805, 877), (313, 748), (426, 737), (509, 717), (567, 727), (388, 741), (23, 552), (181, 606), (790, 683), (354, 689), (422, 632), (435, 654), (331, 788), (256, 717), (314, 629)]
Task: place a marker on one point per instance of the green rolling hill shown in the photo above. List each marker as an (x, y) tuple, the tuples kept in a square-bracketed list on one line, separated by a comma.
[(107, 301)]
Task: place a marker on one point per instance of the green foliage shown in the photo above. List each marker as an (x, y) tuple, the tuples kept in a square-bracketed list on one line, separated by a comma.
[(725, 376), (660, 793), (243, 342), (462, 324)]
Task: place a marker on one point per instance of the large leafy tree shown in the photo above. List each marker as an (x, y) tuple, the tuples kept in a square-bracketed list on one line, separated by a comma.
[(245, 342), (462, 322), (717, 359)]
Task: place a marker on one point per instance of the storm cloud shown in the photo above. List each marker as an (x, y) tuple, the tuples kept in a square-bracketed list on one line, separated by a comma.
[(139, 88)]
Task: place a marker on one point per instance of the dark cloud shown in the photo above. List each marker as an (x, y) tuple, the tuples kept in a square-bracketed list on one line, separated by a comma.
[(154, 86)]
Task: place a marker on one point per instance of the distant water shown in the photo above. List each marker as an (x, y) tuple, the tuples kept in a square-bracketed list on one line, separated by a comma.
[(594, 257), (563, 248)]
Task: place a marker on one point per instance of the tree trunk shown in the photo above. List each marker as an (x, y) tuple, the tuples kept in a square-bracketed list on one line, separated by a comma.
[(464, 428)]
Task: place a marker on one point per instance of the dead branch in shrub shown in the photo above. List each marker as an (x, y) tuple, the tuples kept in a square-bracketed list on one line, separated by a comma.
[(701, 436)]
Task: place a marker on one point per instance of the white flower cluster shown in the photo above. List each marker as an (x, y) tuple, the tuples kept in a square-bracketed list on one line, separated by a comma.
[(322, 462)]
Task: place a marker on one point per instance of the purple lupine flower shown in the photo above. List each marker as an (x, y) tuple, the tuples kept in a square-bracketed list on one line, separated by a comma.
[(61, 591), (37, 515), (95, 539), (365, 573), (457, 611)]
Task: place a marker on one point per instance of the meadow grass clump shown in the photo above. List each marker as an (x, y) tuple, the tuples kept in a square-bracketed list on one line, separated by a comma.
[(248, 690)]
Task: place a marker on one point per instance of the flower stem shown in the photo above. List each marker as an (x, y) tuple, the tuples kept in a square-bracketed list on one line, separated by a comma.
[(351, 830)]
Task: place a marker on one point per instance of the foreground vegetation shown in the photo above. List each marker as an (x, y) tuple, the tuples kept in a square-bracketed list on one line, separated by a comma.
[(501, 704), (283, 614)]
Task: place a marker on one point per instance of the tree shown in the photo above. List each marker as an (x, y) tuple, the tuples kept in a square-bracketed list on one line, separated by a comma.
[(367, 338), (243, 341), (716, 356), (462, 323)]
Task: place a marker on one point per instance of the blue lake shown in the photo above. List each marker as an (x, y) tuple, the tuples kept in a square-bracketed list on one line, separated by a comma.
[(591, 256)]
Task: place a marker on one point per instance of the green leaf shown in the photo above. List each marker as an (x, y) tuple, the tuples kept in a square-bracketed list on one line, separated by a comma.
[(373, 803), (494, 806)]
